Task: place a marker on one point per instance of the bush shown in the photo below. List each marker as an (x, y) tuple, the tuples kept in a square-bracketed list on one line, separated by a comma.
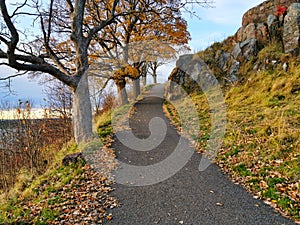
[(29, 145)]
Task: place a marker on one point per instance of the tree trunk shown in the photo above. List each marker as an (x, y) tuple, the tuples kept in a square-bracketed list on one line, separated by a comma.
[(122, 94), (82, 110), (144, 80), (136, 88), (154, 75), (154, 78)]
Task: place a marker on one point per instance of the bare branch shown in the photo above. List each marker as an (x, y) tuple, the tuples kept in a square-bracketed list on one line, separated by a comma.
[(37, 64), (104, 86), (96, 29), (26, 13), (4, 64), (77, 21), (17, 9), (13, 76), (105, 23), (4, 40), (14, 33), (51, 53), (50, 21)]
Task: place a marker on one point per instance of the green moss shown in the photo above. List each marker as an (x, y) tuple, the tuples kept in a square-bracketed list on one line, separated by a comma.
[(242, 170)]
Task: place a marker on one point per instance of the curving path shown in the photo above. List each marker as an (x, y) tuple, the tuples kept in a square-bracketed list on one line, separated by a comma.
[(189, 197)]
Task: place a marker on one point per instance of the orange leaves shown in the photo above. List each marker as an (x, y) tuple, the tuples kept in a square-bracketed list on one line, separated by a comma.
[(109, 217), (140, 21), (126, 71), (64, 47)]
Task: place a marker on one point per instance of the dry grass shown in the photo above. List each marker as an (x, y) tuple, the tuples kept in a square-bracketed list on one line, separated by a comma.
[(27, 145)]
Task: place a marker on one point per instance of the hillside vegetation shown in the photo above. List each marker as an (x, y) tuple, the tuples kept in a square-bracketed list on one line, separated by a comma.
[(64, 194), (261, 145), (73, 193)]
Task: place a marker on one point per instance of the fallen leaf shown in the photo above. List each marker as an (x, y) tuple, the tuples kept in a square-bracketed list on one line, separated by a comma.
[(109, 217)]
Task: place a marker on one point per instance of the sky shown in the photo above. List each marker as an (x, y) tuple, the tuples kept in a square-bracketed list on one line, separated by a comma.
[(215, 24), (218, 22)]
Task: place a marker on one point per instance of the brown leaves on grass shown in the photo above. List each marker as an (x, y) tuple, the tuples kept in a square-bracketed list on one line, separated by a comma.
[(260, 149), (84, 200)]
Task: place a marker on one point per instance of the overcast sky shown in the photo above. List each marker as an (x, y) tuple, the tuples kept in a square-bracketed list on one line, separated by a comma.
[(216, 24)]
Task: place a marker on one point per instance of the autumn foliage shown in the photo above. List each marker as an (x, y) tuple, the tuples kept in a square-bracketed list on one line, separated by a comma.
[(280, 10), (132, 42)]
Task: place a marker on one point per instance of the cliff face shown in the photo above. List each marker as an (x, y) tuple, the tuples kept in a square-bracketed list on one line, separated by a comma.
[(260, 13), (274, 22), (264, 24)]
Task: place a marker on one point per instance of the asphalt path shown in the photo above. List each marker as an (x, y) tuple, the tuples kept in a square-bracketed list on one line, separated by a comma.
[(189, 196)]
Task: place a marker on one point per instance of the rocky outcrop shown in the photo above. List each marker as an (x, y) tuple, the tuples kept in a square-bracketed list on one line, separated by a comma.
[(261, 25), (273, 21), (264, 24), (253, 31), (73, 158), (291, 32), (190, 74), (244, 50), (260, 13)]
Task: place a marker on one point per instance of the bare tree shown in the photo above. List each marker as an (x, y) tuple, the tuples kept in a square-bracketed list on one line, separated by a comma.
[(63, 44), (21, 54)]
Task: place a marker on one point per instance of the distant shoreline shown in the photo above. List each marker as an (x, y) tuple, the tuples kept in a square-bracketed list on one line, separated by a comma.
[(35, 113)]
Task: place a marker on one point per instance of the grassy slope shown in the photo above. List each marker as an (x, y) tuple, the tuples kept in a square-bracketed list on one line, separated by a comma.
[(59, 192), (50, 197), (261, 148)]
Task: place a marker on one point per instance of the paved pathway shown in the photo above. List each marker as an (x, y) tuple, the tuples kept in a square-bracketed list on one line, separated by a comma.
[(188, 197)]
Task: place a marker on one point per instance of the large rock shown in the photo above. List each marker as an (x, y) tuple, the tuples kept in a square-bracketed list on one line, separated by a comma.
[(275, 32), (232, 77), (190, 74), (291, 31), (73, 158), (237, 51), (223, 59), (262, 34), (246, 32), (253, 31), (245, 50), (271, 20)]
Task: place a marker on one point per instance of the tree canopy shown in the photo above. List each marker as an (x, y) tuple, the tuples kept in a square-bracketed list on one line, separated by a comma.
[(68, 33)]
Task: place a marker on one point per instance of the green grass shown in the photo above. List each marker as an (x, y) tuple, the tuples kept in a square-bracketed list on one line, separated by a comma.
[(44, 191), (47, 215), (271, 193), (14, 207), (242, 170)]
